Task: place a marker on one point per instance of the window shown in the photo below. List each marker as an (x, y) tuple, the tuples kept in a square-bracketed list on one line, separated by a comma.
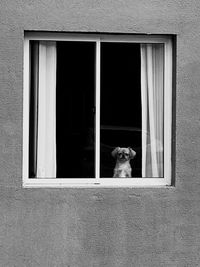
[(97, 110)]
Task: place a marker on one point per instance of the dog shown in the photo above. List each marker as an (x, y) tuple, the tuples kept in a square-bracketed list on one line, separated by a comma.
[(123, 156)]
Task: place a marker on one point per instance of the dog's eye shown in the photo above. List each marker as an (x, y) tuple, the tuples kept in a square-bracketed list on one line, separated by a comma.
[(126, 154)]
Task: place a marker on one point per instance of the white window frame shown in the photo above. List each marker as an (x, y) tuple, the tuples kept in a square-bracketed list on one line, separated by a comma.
[(101, 182)]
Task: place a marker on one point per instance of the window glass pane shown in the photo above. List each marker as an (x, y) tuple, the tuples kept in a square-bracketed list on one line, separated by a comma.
[(73, 103), (75, 109), (131, 110)]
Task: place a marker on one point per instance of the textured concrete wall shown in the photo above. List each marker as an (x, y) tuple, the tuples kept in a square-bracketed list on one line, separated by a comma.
[(106, 227)]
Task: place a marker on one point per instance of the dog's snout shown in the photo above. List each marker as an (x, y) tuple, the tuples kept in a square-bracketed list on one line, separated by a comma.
[(123, 155)]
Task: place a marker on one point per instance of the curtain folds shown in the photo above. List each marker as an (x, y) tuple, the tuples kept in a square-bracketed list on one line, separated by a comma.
[(152, 79), (46, 109)]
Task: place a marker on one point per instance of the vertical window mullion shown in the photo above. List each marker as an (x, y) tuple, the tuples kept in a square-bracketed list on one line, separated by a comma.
[(97, 114)]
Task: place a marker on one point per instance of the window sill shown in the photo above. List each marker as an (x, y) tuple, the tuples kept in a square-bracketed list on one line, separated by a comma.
[(108, 183)]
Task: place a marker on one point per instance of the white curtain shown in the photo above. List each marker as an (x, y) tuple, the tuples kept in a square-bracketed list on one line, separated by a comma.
[(152, 79), (46, 135)]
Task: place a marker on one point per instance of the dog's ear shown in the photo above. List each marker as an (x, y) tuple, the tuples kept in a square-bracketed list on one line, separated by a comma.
[(132, 153), (114, 152)]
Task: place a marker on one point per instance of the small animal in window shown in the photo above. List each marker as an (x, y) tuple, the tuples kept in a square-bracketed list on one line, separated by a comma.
[(123, 155)]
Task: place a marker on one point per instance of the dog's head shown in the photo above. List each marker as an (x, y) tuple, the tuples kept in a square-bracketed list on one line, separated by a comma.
[(123, 153)]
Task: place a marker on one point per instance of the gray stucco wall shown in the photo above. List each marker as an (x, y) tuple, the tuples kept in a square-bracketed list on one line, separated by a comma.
[(104, 227)]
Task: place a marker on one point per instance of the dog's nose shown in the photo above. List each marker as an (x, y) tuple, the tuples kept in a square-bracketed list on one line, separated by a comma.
[(125, 155)]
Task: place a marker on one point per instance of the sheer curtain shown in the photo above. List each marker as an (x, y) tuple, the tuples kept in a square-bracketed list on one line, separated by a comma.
[(46, 111), (152, 79)]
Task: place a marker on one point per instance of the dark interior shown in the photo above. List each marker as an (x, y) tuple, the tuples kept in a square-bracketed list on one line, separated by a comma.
[(75, 109), (120, 104)]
